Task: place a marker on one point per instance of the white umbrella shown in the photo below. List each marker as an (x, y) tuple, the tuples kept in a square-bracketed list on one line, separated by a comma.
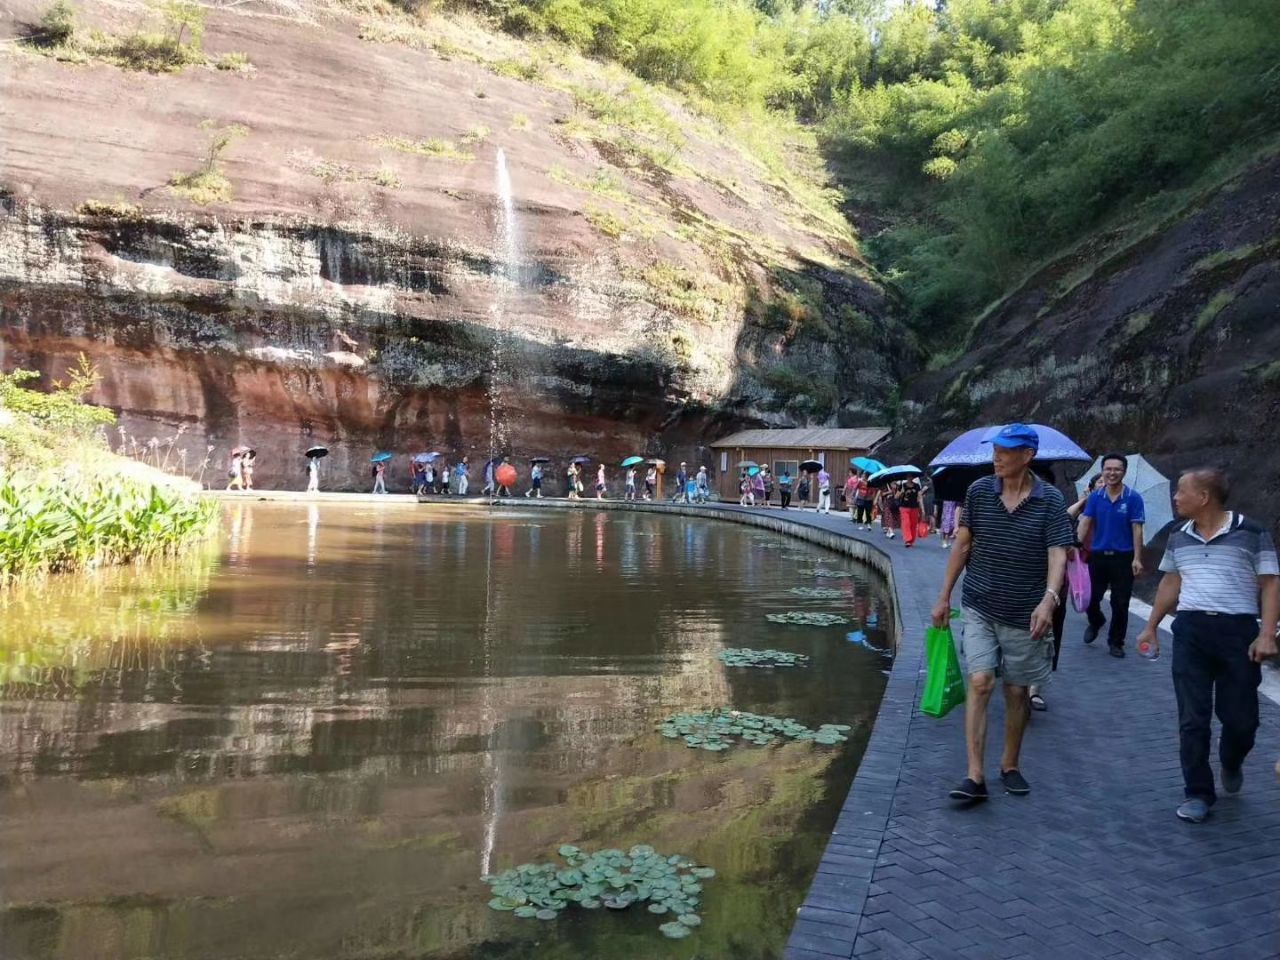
[(1152, 485)]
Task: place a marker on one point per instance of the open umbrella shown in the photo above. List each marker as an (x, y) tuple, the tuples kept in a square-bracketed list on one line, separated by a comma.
[(866, 464), (244, 451), (1145, 480), (426, 457), (753, 471), (382, 457), (890, 474), (317, 452), (581, 459), (656, 462), (539, 459), (971, 447), (632, 461), (810, 466), (747, 464)]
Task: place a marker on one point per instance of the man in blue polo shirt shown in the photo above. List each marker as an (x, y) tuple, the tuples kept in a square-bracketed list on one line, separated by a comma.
[(1012, 549), (1115, 515), (1216, 567)]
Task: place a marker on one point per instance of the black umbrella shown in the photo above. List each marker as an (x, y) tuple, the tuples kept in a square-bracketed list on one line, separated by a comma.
[(953, 482), (539, 459), (317, 452), (810, 466)]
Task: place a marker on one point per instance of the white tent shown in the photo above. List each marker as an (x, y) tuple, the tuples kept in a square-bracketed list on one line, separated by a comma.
[(1147, 481)]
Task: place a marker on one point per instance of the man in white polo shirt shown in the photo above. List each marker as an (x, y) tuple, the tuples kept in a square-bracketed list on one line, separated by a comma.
[(1216, 566)]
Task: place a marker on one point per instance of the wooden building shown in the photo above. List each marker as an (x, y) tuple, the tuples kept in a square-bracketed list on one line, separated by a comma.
[(785, 449)]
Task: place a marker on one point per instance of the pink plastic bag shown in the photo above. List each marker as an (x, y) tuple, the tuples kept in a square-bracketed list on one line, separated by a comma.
[(1078, 582)]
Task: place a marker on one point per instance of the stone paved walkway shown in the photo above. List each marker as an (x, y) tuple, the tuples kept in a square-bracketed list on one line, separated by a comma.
[(1092, 864)]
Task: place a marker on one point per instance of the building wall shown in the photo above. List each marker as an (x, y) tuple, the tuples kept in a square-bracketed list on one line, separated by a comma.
[(837, 463)]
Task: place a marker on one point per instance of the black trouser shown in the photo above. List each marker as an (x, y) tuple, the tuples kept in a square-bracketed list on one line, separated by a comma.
[(786, 497), (862, 511), (1212, 673), (1115, 570)]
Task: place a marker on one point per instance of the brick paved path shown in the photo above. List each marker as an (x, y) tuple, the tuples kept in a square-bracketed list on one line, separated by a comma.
[(1092, 864)]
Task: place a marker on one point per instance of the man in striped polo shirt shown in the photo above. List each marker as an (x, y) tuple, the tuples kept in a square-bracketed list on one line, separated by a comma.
[(1012, 548), (1216, 566)]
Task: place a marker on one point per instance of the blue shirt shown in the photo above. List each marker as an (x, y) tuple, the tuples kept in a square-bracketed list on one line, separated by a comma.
[(1113, 522)]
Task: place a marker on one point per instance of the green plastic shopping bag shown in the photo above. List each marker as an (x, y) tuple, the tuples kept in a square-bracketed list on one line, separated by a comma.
[(943, 682)]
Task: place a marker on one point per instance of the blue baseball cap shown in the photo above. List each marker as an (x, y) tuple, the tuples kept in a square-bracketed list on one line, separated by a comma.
[(1014, 436)]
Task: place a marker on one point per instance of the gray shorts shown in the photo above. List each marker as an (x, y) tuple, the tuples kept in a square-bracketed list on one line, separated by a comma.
[(988, 646)]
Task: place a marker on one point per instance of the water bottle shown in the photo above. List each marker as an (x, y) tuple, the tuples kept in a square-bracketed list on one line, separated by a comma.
[(1147, 651)]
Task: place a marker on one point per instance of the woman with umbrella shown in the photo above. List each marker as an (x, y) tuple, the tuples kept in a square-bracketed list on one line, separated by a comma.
[(313, 467), (246, 466), (535, 477), (650, 481), (379, 461), (629, 490)]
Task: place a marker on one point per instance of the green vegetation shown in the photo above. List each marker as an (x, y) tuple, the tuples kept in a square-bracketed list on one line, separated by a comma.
[(811, 618), (610, 878), (209, 184), (1211, 309), (433, 148), (718, 730), (170, 38), (609, 224), (747, 657), (61, 506)]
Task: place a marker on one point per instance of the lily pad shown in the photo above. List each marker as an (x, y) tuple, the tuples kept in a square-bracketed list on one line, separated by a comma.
[(719, 729), (676, 931), (747, 657), (807, 618), (689, 919), (818, 593)]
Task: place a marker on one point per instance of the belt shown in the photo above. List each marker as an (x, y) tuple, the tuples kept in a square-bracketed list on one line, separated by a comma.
[(1219, 613), (1111, 553)]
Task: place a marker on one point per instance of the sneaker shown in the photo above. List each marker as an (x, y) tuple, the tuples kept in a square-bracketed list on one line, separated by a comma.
[(1193, 810), (1015, 783), (1117, 652), (1091, 634), (969, 790), (890, 534), (1232, 780)]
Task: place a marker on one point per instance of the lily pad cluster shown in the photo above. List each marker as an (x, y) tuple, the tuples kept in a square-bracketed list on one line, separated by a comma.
[(818, 593), (667, 885), (830, 574), (811, 618), (721, 728), (746, 657)]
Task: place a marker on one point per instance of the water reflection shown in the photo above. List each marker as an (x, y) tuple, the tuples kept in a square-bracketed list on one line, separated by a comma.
[(313, 743)]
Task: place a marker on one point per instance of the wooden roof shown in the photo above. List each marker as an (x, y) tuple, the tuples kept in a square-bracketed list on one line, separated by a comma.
[(808, 438)]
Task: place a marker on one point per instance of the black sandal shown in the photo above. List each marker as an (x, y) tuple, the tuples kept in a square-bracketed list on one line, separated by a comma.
[(1037, 703)]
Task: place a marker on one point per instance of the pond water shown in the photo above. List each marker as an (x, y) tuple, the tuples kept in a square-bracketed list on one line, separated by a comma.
[(312, 738)]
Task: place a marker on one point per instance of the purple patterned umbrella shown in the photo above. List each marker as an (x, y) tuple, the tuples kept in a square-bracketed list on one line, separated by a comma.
[(970, 449)]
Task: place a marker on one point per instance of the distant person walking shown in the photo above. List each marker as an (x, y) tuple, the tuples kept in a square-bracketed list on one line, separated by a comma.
[(503, 489), (802, 490), (824, 491), (463, 471), (746, 491), (630, 491), (863, 497), (444, 477), (1012, 550), (650, 482), (682, 478), (1113, 517), (909, 495), (601, 485), (313, 474), (235, 473), (766, 477), (784, 488), (757, 488), (246, 468), (535, 482), (1221, 573), (850, 495), (572, 481), (702, 485), (887, 504), (379, 477), (490, 484), (950, 521)]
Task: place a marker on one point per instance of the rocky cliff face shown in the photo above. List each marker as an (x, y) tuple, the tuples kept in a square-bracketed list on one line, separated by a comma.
[(371, 283), (1166, 343)]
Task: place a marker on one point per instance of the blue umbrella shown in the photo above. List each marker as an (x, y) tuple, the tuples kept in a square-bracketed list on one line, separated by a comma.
[(426, 457), (890, 474), (753, 471), (970, 449), (632, 461), (866, 464), (381, 457)]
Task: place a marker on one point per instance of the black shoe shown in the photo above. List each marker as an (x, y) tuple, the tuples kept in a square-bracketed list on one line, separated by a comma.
[(1015, 783), (1117, 652), (969, 790), (1091, 634)]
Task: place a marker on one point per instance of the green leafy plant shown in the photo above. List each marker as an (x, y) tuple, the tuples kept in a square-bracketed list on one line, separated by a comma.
[(747, 657), (612, 879), (717, 730), (806, 618), (209, 184)]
